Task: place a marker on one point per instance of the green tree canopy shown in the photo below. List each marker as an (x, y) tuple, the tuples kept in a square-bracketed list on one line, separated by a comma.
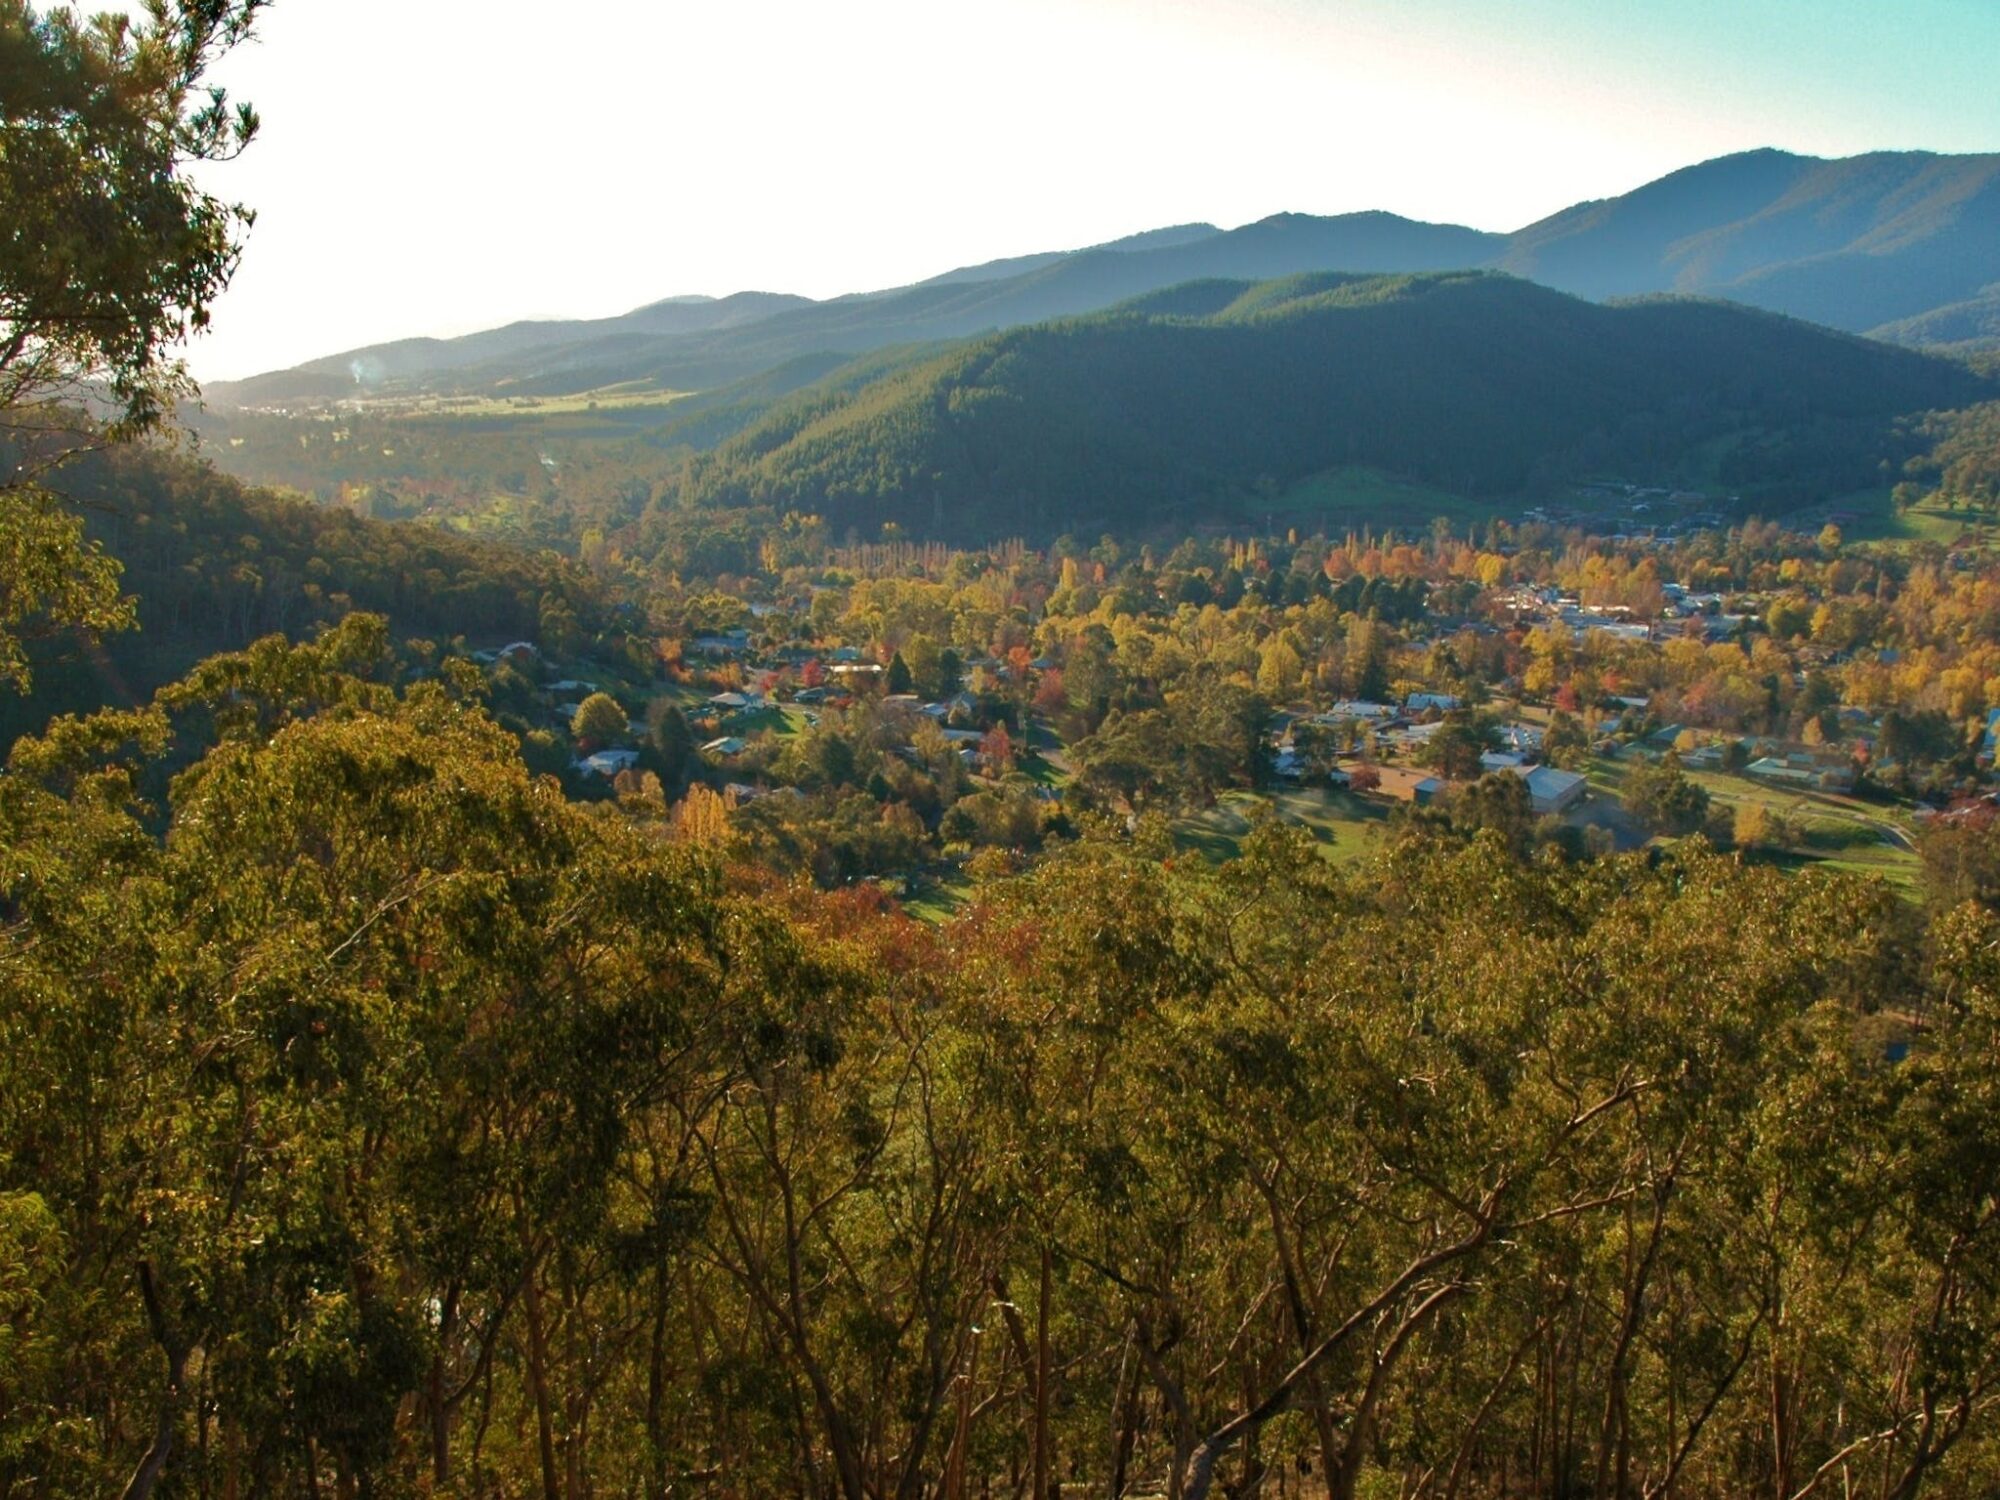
[(599, 720), (110, 257)]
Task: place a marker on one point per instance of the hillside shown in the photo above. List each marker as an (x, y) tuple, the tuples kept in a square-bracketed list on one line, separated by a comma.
[(1852, 243), (215, 565), (1881, 241), (1969, 326), (1196, 408), (421, 361)]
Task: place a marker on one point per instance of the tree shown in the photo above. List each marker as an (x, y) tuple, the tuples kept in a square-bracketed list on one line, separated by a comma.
[(702, 817), (1499, 802), (1756, 826), (900, 680), (1368, 661), (1278, 669), (996, 749), (112, 258), (1664, 799), (672, 739), (1131, 758), (920, 655), (1960, 858), (599, 720), (1457, 745), (1566, 744)]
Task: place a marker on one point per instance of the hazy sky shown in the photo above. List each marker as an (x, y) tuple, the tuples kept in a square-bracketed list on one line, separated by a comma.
[(436, 166)]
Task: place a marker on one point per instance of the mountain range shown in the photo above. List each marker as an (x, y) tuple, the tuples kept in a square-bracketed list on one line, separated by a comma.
[(1904, 246)]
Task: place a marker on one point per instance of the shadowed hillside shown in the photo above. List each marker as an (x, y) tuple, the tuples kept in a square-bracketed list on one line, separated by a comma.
[(1190, 407)]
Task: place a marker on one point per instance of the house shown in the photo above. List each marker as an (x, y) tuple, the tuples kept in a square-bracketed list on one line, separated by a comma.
[(1553, 791), (1501, 760), (1802, 768), (735, 703), (729, 643), (1418, 703), (1412, 737), (1609, 620), (608, 763), (1357, 708), (725, 747), (514, 650)]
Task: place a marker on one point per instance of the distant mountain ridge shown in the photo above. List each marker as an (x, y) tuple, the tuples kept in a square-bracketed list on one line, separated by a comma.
[(1888, 243), (1856, 243)]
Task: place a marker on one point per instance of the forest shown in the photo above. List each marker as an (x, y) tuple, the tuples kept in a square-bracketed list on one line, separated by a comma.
[(378, 1118)]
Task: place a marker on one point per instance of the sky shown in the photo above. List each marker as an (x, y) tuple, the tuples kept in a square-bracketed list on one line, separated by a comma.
[(440, 166)]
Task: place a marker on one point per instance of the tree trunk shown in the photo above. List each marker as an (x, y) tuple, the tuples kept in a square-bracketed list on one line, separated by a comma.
[(656, 1392), (1042, 1382), (440, 1411), (147, 1475), (538, 1381)]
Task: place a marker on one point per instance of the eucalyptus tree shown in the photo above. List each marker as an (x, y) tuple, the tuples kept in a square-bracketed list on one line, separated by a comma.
[(110, 257)]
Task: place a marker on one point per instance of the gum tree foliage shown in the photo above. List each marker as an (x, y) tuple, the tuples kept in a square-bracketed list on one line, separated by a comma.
[(110, 257), (373, 1120)]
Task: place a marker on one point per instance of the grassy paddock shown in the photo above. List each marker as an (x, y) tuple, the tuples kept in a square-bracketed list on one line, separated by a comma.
[(1347, 828), (1835, 832)]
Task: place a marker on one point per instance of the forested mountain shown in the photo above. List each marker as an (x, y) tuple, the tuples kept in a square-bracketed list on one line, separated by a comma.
[(1864, 243), (1970, 326), (215, 565), (1204, 404)]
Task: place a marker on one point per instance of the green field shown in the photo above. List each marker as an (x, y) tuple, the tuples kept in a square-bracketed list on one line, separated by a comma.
[(1838, 832), (1933, 520), (1348, 829), (937, 898), (631, 397)]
